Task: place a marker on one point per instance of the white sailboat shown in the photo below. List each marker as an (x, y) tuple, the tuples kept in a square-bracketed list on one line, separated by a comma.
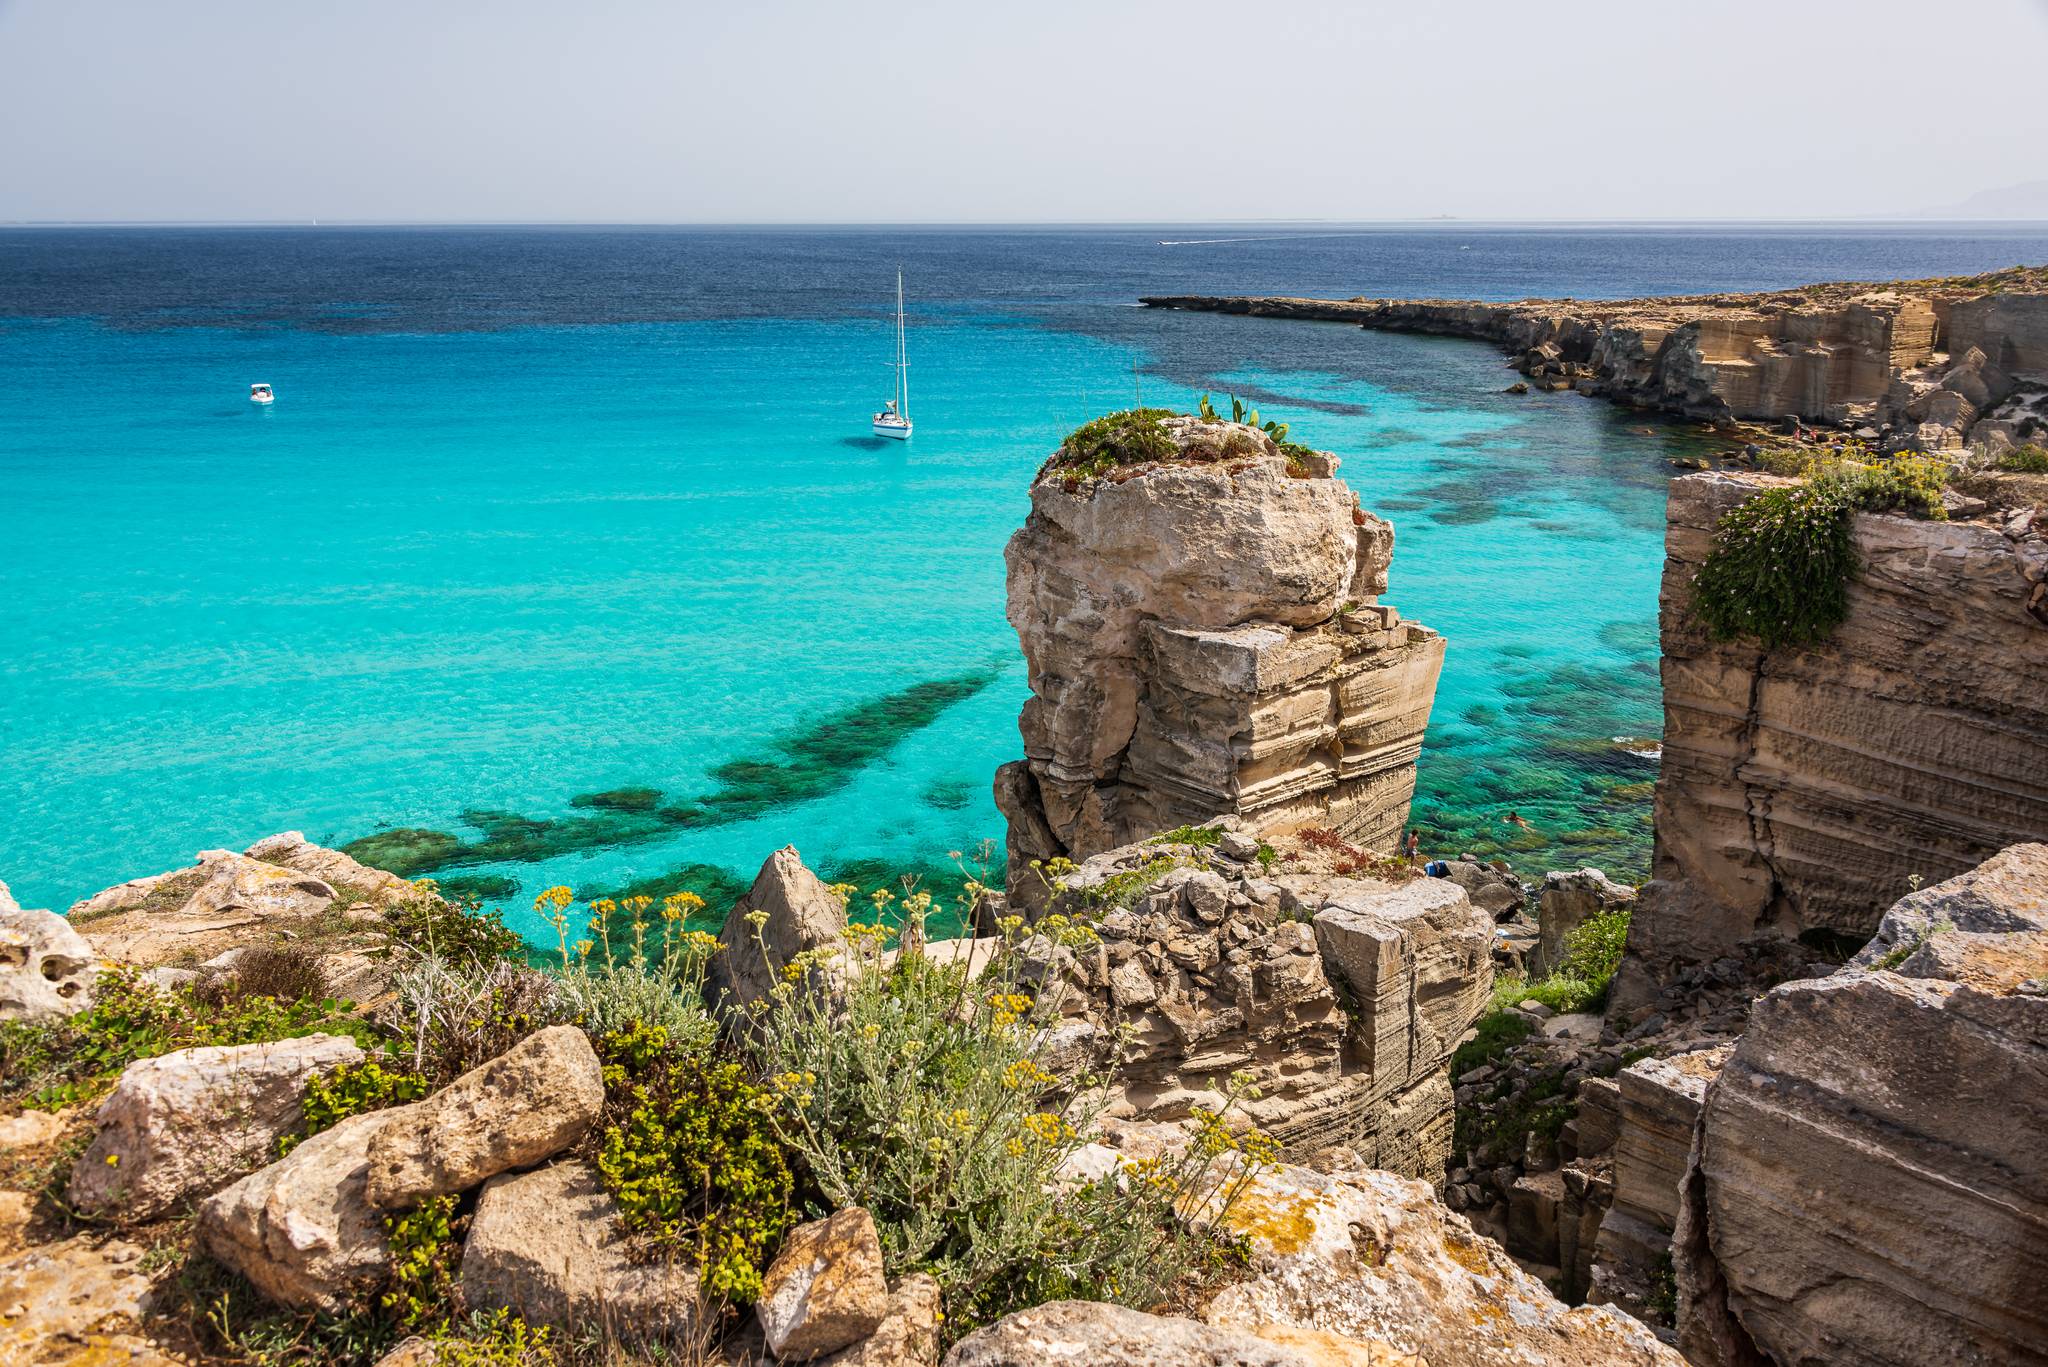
[(894, 419)]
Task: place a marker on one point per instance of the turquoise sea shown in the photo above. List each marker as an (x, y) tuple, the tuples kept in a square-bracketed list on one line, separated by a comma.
[(569, 547)]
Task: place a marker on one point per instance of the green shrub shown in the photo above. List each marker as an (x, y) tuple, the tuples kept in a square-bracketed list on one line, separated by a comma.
[(2025, 460), (497, 1338), (1131, 437), (1497, 1032), (426, 1257), (349, 1090), (925, 1098), (688, 1151), (50, 1066), (1200, 837), (280, 972), (1781, 562), (453, 1017), (453, 932), (635, 967)]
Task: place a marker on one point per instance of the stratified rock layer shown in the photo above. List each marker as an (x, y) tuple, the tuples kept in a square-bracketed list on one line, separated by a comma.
[(1205, 636), (1869, 1181), (1805, 789), (1343, 996)]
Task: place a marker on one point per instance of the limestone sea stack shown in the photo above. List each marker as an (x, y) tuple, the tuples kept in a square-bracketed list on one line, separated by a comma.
[(1204, 636)]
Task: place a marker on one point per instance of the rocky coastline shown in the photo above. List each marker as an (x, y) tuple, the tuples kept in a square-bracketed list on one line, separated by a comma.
[(1911, 365), (1221, 1076)]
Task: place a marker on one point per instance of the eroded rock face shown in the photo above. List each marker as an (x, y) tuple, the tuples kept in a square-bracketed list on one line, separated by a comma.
[(46, 968), (1070, 1333), (79, 1303), (1803, 790), (802, 915), (529, 1103), (284, 890), (303, 1230), (908, 1335), (182, 1125), (1370, 1256), (1343, 995), (549, 1245), (1208, 638), (825, 1289), (1869, 1178)]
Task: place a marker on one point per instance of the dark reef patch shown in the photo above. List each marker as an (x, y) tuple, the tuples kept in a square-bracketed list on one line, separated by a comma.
[(951, 794), (818, 760), (478, 887), (620, 800)]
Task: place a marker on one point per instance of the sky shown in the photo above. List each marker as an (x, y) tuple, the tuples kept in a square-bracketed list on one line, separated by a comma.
[(960, 111)]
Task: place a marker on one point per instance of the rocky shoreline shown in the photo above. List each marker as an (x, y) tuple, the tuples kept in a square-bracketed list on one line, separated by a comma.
[(1920, 365)]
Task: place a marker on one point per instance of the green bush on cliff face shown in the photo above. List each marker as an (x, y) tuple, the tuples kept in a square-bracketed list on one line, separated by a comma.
[(1781, 563), (2025, 460)]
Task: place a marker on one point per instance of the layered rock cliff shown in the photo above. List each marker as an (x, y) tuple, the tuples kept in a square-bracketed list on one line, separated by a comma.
[(1919, 363), (1341, 994), (1868, 1182), (1204, 635), (1804, 790)]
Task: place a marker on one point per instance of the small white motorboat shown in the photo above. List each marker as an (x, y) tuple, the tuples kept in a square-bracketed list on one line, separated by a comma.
[(260, 393), (894, 419)]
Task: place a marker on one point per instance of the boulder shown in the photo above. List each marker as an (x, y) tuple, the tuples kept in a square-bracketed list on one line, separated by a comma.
[(908, 1335), (1092, 1334), (1869, 1176), (1495, 891), (352, 880), (1375, 1257), (1567, 901), (803, 915), (528, 1104), (46, 966), (548, 1245), (303, 1230), (184, 1124), (78, 1303), (825, 1290)]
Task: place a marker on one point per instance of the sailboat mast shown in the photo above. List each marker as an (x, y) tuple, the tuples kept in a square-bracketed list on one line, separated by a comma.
[(902, 353)]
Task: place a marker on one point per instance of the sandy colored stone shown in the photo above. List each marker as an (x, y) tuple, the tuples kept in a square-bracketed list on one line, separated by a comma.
[(1092, 1334), (78, 1303), (526, 1105), (184, 1124), (908, 1335), (803, 915), (1374, 1257), (825, 1289), (302, 1230), (46, 968), (1869, 1180), (548, 1244)]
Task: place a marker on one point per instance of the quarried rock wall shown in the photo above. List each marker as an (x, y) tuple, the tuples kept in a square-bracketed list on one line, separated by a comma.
[(1804, 790)]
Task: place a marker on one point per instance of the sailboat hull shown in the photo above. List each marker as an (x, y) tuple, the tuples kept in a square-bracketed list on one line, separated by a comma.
[(898, 428)]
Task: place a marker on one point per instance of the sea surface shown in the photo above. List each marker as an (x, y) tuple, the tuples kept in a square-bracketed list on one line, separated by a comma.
[(565, 556)]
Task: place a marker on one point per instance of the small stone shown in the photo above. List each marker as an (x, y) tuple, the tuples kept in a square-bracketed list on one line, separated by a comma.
[(1535, 1008), (825, 1290), (1238, 846)]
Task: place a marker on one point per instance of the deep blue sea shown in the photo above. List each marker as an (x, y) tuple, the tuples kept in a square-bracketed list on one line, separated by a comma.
[(568, 550)]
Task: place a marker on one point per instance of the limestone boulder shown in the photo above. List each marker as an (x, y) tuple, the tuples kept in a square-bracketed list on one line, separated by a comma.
[(1373, 1257), (46, 968), (1869, 1179), (908, 1335), (548, 1245), (1495, 891), (1567, 901), (352, 880), (183, 1125), (825, 1290), (77, 1303), (796, 914), (1072, 1333), (303, 1230), (526, 1105)]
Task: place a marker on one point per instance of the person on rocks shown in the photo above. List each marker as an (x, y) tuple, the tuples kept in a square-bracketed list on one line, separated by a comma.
[(1413, 846)]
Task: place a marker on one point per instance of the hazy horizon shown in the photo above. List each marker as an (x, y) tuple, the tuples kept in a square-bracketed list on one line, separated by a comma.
[(803, 113)]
